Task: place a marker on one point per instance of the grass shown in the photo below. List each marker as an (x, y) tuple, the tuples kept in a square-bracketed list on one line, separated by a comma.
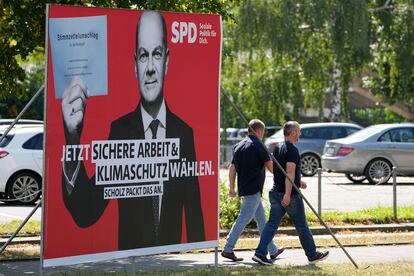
[(364, 239), (378, 269), (379, 215), (397, 268), (27, 251), (31, 228)]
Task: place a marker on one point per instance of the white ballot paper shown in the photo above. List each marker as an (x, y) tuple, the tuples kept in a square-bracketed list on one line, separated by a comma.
[(79, 49)]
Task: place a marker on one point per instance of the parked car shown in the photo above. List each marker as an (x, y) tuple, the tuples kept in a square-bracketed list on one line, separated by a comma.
[(21, 163), (20, 121), (312, 141), (270, 130), (372, 152)]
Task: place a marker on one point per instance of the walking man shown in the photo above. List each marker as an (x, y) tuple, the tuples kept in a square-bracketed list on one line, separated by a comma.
[(249, 161), (285, 199)]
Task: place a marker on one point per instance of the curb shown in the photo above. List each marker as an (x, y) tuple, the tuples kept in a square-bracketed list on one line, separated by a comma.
[(320, 230)]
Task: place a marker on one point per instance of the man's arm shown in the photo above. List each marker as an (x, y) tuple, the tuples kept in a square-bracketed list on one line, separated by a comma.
[(73, 112), (83, 199), (232, 180), (290, 171), (269, 165)]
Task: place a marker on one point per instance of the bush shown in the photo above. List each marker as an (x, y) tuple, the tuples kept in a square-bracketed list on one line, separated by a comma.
[(229, 207)]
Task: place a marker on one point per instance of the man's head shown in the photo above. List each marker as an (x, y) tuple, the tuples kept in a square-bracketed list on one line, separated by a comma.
[(291, 131), (257, 128), (151, 56)]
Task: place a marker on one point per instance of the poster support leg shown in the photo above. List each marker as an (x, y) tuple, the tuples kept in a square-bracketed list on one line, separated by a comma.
[(20, 227), (216, 257)]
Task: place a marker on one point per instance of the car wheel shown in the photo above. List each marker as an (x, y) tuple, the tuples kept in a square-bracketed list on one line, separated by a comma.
[(309, 164), (378, 171), (24, 188), (355, 177)]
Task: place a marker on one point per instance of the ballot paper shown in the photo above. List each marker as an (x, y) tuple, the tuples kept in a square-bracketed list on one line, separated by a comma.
[(79, 49)]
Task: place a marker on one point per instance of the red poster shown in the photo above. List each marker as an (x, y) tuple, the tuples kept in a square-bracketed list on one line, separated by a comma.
[(132, 118)]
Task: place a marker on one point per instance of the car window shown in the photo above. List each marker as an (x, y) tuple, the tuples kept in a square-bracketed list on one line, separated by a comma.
[(351, 130), (6, 140), (35, 142), (309, 133), (335, 133), (324, 133), (386, 137), (407, 135), (398, 135)]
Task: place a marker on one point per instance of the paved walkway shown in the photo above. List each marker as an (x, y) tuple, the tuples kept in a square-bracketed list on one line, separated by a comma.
[(295, 257)]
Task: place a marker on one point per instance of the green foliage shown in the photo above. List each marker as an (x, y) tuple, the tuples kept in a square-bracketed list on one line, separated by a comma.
[(22, 29), (34, 68), (280, 55), (229, 207), (393, 64), (373, 116)]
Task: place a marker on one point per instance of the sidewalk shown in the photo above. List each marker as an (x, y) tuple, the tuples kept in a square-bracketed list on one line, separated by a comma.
[(294, 257)]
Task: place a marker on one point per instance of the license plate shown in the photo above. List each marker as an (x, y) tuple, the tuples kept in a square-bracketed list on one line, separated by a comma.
[(330, 151)]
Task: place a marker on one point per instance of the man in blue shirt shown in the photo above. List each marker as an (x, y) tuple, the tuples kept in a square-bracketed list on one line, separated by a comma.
[(249, 161), (285, 199)]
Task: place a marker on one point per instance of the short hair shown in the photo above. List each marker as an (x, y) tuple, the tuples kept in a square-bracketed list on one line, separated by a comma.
[(289, 127), (254, 125), (164, 28)]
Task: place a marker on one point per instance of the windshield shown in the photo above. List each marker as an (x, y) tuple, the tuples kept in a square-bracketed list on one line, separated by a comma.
[(278, 135), (364, 133)]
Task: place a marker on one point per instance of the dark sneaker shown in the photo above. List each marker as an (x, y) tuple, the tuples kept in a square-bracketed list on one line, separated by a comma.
[(279, 251), (320, 256), (261, 260), (231, 256)]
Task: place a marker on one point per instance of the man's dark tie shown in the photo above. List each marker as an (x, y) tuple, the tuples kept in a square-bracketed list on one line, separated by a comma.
[(154, 126), (155, 199)]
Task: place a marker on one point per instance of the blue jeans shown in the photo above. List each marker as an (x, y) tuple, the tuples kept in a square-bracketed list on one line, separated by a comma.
[(251, 207), (296, 212)]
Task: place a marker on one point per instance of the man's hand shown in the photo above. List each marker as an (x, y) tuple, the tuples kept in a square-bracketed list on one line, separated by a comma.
[(286, 200), (73, 109), (232, 193), (303, 185)]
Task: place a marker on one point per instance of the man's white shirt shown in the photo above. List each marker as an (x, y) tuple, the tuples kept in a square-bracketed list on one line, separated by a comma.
[(146, 121)]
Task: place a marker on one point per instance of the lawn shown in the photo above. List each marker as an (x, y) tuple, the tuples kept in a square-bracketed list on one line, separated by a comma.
[(397, 268)]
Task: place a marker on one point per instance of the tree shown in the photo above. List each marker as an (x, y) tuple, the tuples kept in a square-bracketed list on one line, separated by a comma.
[(22, 29), (303, 42), (393, 78)]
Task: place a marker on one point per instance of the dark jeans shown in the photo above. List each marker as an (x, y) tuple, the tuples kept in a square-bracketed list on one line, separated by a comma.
[(296, 212)]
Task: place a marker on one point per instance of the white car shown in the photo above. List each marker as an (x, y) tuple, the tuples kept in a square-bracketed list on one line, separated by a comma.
[(21, 164)]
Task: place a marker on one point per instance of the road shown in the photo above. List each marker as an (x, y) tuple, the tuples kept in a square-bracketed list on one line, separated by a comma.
[(16, 212), (338, 194)]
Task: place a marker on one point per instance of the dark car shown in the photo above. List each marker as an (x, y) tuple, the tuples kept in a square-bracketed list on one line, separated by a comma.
[(312, 142)]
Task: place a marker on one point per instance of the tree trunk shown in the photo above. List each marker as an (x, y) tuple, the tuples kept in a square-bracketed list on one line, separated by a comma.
[(335, 114)]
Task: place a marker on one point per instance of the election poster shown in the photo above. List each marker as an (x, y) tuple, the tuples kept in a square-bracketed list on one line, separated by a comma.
[(132, 133)]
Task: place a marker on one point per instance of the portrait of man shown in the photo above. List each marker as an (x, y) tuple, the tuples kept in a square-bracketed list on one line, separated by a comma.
[(142, 221)]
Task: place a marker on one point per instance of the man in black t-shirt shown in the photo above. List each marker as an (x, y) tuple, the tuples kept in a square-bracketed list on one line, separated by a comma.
[(250, 158), (285, 199)]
